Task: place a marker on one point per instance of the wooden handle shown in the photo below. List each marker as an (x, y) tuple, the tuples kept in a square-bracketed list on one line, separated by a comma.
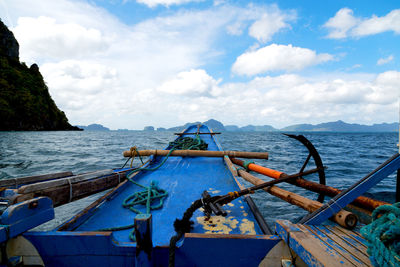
[(198, 153)]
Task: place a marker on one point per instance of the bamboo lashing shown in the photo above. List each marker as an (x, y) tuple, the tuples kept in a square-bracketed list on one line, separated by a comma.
[(343, 218), (197, 153), (361, 201)]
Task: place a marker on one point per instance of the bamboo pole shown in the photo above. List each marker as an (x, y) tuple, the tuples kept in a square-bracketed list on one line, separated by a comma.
[(15, 182), (361, 201), (63, 181), (197, 153), (64, 193), (343, 218)]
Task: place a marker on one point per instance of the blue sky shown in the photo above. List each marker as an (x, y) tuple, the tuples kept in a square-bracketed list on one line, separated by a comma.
[(128, 64)]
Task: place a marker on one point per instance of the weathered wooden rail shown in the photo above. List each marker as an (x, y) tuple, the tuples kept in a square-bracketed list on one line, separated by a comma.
[(67, 189)]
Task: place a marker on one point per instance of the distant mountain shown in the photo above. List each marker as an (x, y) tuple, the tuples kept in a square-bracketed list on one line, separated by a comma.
[(94, 127), (232, 128), (215, 125), (336, 126), (340, 126), (183, 127), (148, 128), (252, 128)]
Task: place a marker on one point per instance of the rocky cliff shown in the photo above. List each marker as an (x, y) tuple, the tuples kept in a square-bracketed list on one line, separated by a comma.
[(25, 102)]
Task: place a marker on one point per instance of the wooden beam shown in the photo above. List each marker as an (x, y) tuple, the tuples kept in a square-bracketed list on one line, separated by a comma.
[(63, 194), (14, 182), (197, 153), (65, 181)]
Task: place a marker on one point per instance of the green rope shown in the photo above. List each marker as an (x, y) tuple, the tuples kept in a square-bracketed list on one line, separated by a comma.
[(383, 236), (246, 164), (153, 192)]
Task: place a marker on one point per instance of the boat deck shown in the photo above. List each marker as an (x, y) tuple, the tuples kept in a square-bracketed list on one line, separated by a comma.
[(324, 245), (184, 178)]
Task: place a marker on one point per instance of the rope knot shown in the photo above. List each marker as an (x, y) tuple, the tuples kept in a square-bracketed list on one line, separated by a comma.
[(246, 164)]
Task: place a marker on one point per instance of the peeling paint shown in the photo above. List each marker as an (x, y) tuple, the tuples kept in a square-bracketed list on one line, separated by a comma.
[(225, 225), (247, 227), (218, 224)]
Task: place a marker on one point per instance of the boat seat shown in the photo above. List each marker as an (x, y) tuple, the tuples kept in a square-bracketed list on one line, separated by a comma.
[(324, 245)]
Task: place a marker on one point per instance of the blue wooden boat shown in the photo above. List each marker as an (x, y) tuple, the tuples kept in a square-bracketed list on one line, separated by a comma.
[(107, 233)]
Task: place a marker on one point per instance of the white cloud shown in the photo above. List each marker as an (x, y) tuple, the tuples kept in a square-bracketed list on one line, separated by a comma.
[(44, 37), (269, 24), (386, 60), (154, 3), (190, 83), (375, 25), (277, 57), (341, 23), (154, 71), (344, 24)]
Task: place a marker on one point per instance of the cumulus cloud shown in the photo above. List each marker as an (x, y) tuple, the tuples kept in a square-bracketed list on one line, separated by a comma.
[(344, 24), (277, 57), (269, 24), (190, 83), (45, 37), (146, 72), (341, 23), (386, 60)]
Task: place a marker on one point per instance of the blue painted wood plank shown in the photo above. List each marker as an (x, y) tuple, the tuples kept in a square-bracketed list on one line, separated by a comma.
[(26, 215), (312, 250), (346, 251), (349, 236), (349, 244)]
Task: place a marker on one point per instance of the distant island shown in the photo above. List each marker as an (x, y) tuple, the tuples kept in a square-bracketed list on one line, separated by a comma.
[(216, 126), (93, 127), (336, 126), (25, 102)]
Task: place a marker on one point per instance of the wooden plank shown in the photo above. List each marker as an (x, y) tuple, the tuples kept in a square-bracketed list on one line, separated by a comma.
[(350, 253), (65, 181), (354, 247), (310, 249), (348, 235), (65, 193), (30, 179)]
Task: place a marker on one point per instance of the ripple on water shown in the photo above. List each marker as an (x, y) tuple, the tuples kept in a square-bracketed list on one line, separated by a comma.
[(348, 156)]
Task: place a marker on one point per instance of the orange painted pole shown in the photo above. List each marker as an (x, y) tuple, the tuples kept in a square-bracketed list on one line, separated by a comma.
[(361, 201)]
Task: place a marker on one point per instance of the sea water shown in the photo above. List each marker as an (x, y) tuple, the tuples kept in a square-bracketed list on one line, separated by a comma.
[(348, 156)]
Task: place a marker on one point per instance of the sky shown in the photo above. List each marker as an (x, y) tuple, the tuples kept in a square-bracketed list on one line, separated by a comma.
[(127, 64)]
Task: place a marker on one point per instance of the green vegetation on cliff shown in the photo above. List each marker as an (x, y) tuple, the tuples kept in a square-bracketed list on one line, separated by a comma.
[(25, 102)]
